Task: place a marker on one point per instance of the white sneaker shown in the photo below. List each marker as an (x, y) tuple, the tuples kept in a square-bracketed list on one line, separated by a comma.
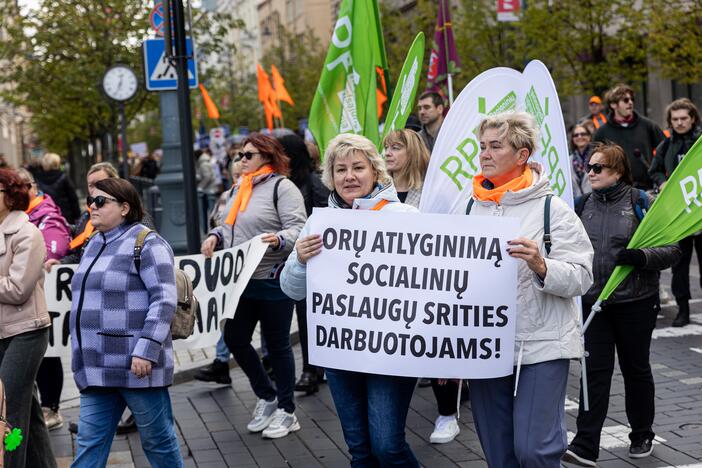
[(53, 419), (262, 415), (283, 423), (445, 430)]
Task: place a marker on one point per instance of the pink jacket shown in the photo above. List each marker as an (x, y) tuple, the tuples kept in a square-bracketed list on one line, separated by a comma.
[(54, 228)]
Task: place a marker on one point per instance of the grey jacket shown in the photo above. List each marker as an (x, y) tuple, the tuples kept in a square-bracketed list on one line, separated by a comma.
[(261, 216), (610, 222)]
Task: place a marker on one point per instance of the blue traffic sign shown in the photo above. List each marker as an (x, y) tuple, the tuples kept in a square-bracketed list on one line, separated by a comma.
[(160, 74)]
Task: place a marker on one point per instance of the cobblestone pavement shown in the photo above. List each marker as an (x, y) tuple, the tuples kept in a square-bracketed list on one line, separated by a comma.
[(211, 419)]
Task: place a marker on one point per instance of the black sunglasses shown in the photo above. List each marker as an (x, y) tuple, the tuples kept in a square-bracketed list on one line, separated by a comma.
[(596, 168), (583, 134), (626, 100), (99, 201), (248, 155)]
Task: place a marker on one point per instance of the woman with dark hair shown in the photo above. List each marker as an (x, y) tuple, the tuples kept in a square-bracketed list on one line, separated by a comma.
[(24, 334), (263, 203), (315, 195), (121, 317), (611, 214), (581, 144)]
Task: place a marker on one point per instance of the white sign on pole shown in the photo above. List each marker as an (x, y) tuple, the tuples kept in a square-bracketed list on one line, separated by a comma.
[(455, 158), (412, 295), (218, 284)]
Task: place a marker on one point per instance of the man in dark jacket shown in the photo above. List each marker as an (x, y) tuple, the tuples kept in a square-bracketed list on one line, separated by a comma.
[(431, 115), (638, 135), (683, 118)]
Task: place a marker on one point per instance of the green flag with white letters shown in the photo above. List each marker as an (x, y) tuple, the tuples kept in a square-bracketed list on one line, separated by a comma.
[(676, 213), (403, 99), (345, 99)]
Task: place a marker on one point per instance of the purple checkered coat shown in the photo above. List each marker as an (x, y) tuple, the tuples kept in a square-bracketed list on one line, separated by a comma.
[(117, 312)]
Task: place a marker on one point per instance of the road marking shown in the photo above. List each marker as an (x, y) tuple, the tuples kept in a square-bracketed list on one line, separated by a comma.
[(675, 332), (571, 405), (615, 437), (697, 350)]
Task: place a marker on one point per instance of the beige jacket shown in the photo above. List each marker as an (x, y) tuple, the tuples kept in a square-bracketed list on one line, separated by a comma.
[(22, 253)]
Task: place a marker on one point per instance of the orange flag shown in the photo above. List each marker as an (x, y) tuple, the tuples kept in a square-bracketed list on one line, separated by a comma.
[(212, 111), (266, 95), (278, 83), (381, 92)]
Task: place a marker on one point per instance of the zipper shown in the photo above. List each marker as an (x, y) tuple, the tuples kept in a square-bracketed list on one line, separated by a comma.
[(82, 295)]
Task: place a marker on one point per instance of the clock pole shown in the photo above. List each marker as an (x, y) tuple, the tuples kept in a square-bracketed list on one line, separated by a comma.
[(123, 129)]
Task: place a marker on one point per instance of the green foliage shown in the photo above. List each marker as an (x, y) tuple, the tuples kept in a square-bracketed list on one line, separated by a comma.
[(675, 40), (59, 53)]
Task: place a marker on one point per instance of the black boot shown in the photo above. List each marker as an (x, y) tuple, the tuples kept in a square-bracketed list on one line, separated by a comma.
[(308, 383), (683, 317), (218, 372)]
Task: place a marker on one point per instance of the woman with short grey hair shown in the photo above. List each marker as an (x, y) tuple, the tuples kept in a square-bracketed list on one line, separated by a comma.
[(553, 269)]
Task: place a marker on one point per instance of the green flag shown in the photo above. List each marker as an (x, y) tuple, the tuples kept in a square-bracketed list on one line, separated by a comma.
[(403, 99), (345, 100), (676, 214)]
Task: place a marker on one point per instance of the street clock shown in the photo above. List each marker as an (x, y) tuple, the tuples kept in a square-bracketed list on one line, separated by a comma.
[(120, 83)]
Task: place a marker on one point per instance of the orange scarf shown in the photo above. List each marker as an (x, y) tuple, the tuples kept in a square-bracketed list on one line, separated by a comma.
[(34, 203), (243, 195), (519, 183), (83, 236)]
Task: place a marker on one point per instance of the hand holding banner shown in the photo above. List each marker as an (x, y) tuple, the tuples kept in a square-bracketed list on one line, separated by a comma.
[(407, 294)]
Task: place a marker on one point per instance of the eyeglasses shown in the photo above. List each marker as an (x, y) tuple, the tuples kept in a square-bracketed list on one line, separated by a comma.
[(596, 168), (247, 155), (626, 100), (99, 201), (583, 134)]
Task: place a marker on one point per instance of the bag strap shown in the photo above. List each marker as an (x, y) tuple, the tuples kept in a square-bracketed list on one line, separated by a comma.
[(470, 205), (275, 193), (139, 245), (547, 223)]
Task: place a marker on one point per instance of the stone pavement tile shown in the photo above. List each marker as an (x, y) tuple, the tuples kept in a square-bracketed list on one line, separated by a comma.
[(211, 455)]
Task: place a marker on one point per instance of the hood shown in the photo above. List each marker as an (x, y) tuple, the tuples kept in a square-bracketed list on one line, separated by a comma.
[(14, 221), (612, 121), (46, 208), (49, 177), (540, 187)]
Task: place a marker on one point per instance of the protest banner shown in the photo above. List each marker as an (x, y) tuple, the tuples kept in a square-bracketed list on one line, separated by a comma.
[(402, 102), (218, 283), (455, 158), (406, 294)]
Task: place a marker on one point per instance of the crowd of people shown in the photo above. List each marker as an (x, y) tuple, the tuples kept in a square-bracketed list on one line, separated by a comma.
[(122, 355)]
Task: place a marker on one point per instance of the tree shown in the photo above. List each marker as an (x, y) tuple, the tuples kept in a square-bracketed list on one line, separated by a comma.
[(675, 42), (59, 53)]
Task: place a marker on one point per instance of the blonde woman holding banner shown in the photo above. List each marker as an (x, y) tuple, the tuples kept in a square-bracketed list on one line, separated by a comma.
[(520, 418), (372, 408)]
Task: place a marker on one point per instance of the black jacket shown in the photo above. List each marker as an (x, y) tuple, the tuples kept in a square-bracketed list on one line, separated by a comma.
[(669, 153), (610, 222), (58, 186), (638, 139)]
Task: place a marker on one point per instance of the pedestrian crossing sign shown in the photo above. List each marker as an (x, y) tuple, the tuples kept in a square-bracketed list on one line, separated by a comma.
[(160, 73)]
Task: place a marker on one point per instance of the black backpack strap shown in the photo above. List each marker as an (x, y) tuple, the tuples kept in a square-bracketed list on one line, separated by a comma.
[(580, 204), (547, 224), (139, 245), (275, 192), (470, 205)]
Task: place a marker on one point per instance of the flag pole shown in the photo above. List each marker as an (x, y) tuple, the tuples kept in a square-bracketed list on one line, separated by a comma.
[(444, 3)]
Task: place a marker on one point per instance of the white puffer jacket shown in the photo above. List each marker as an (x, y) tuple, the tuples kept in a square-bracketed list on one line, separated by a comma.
[(548, 318), (293, 279)]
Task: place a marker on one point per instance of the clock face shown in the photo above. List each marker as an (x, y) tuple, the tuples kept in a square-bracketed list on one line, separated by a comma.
[(120, 83)]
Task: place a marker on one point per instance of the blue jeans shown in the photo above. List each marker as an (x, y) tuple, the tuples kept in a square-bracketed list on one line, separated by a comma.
[(373, 411), (100, 411), (526, 431), (222, 350)]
